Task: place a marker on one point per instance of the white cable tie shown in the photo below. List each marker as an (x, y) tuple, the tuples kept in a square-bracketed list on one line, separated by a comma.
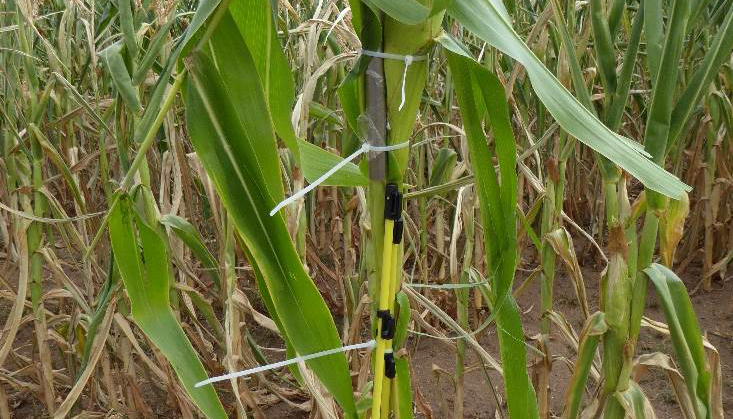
[(370, 344), (365, 148), (390, 56), (407, 59)]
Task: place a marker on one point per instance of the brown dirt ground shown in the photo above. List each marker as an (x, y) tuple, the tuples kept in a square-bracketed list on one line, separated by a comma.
[(714, 310), (715, 314)]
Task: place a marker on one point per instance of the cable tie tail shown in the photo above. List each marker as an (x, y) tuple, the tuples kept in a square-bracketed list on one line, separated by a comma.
[(408, 61)]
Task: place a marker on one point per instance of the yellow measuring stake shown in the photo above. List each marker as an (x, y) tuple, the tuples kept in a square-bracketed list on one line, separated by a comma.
[(384, 297), (389, 346)]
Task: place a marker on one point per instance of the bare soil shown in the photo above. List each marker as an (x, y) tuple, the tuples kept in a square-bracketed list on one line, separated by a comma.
[(432, 362), (714, 311)]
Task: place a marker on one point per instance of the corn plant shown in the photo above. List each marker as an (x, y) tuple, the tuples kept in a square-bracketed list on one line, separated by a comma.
[(172, 129)]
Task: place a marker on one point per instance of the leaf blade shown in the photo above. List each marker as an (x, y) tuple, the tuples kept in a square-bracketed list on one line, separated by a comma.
[(226, 113), (485, 20), (147, 285)]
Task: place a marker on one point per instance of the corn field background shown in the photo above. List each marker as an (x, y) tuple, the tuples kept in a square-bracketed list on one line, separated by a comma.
[(549, 266)]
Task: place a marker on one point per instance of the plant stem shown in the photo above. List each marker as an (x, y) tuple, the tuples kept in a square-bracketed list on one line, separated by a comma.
[(144, 147)]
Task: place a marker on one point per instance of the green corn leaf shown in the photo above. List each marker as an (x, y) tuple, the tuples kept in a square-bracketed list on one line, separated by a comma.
[(635, 402), (255, 22), (60, 164), (493, 209), (191, 237), (614, 15), (594, 327), (662, 103), (479, 91), (350, 97), (403, 319), (317, 161), (404, 388), (615, 112), (147, 281), (324, 113), (603, 44), (576, 73), (487, 19), (696, 8), (685, 333), (403, 39), (112, 58), (654, 35), (439, 5), (409, 12), (83, 103), (229, 125), (659, 117), (152, 53), (443, 165), (206, 310), (127, 25), (254, 19), (205, 9), (351, 91), (719, 50), (365, 401), (270, 305)]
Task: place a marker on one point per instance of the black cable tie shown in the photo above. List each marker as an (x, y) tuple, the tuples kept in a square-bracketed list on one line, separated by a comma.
[(388, 324), (399, 226), (392, 202), (390, 366)]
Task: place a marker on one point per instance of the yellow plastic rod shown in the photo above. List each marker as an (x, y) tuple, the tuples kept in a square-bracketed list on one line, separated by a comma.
[(384, 289), (394, 283)]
